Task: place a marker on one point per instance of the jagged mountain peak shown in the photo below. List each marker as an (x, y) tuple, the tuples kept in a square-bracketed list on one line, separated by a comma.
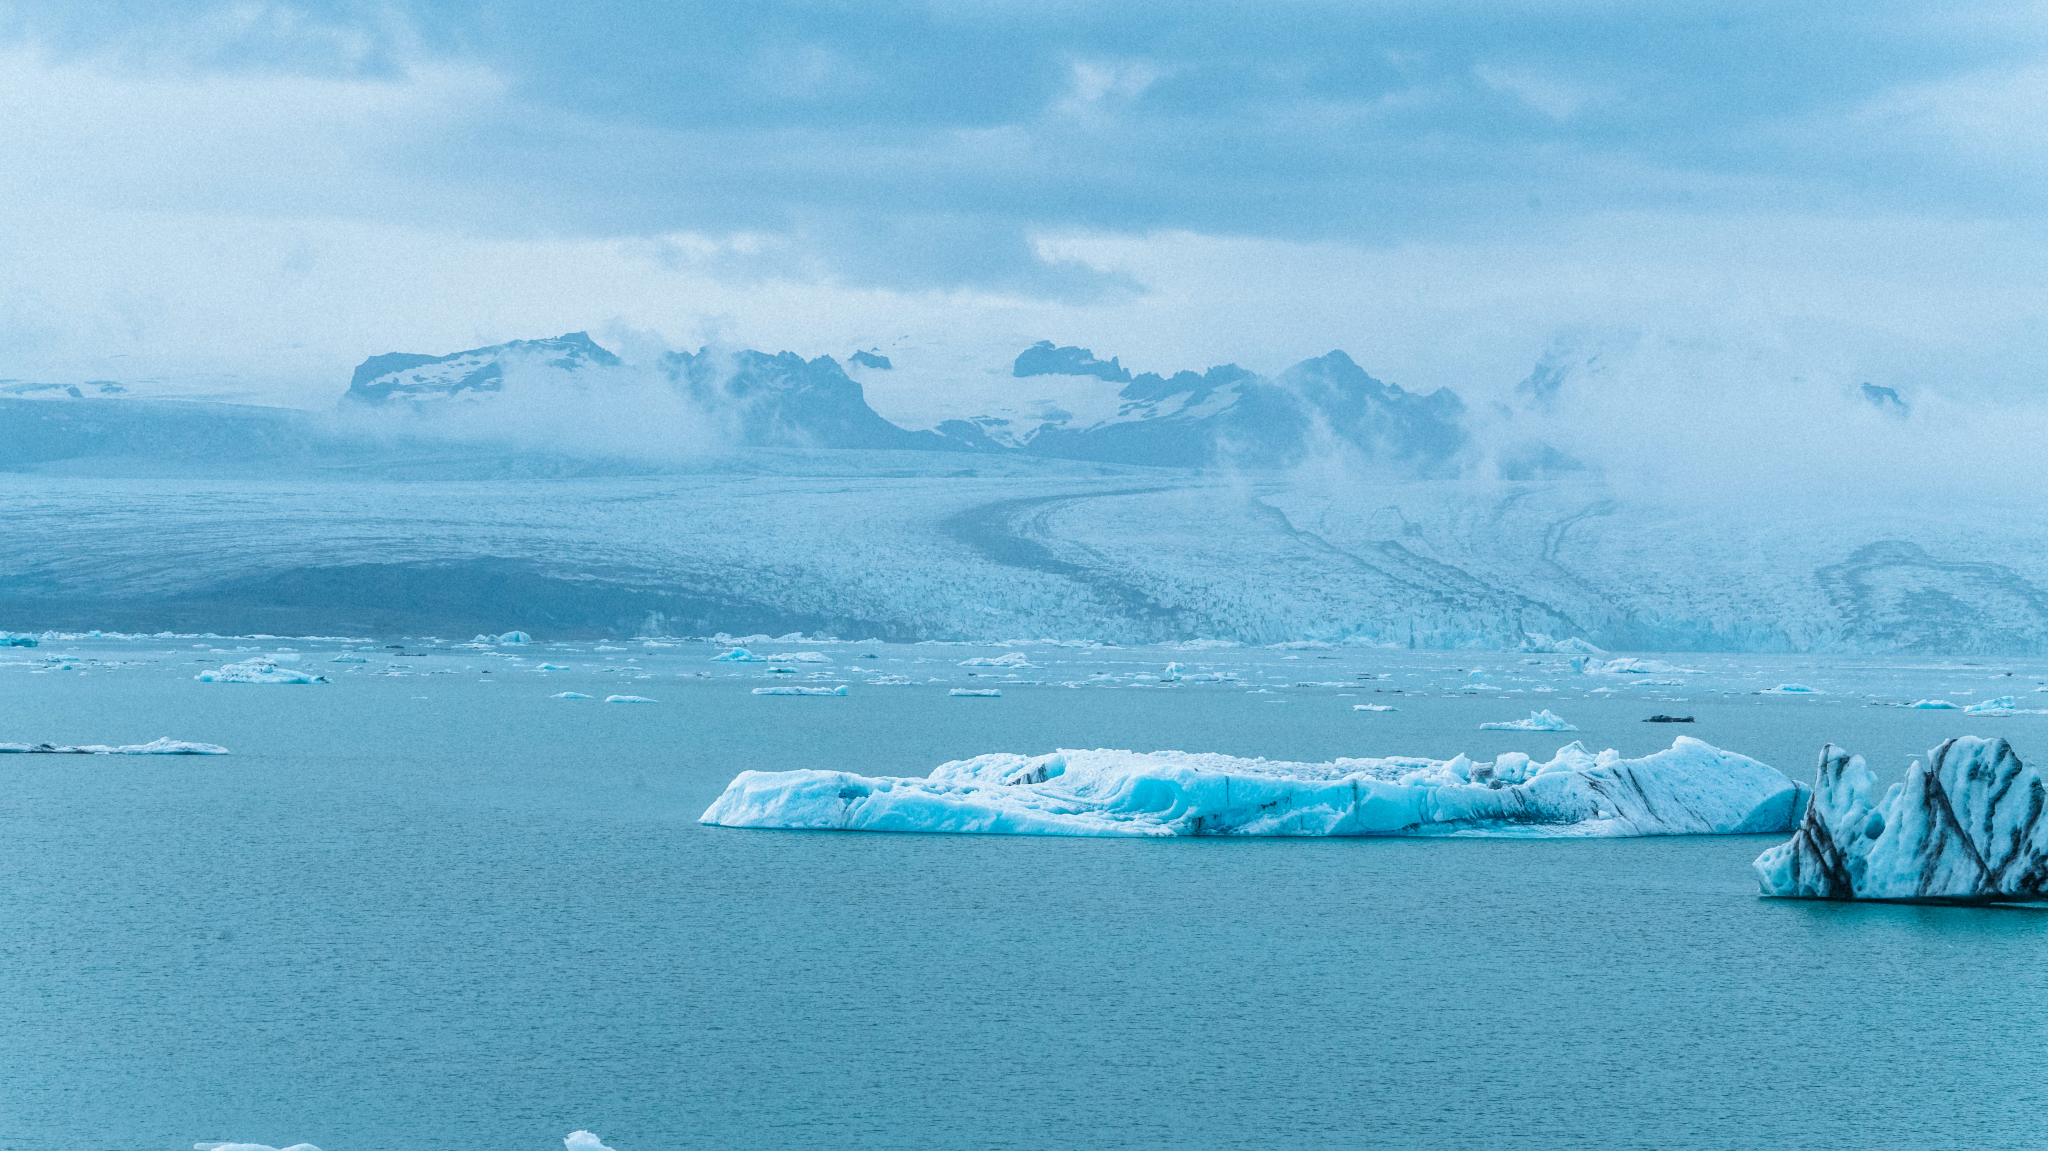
[(414, 377)]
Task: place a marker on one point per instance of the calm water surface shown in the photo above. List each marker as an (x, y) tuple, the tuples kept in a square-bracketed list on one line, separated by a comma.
[(484, 918)]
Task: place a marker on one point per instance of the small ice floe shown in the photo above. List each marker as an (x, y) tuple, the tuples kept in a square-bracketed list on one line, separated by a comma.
[(1933, 705), (348, 659), (1209, 677), (800, 657), (258, 671), (2003, 705), (165, 746), (1009, 659), (840, 690), (515, 637), (1627, 665), (254, 1147), (989, 692), (629, 699), (1372, 707), (1964, 826), (738, 655), (568, 695), (553, 667), (1544, 720), (580, 1141), (1790, 689)]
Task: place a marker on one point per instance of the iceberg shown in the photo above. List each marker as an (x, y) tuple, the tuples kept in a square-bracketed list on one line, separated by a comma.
[(1544, 720), (165, 746), (840, 690), (17, 639), (1790, 689), (1372, 707), (515, 637), (738, 655), (628, 699), (568, 695), (1933, 705), (258, 671), (2003, 705), (554, 667), (1628, 665), (1010, 659), (1692, 788), (348, 659), (1964, 826), (990, 692), (800, 657), (578, 1141)]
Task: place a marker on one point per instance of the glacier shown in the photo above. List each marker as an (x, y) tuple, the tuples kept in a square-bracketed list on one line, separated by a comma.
[(1964, 826), (1691, 788)]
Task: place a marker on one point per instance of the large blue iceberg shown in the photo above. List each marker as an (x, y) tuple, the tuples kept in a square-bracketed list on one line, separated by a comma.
[(1965, 826), (1691, 788)]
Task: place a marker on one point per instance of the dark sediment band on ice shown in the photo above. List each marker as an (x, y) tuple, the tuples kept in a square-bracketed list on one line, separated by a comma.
[(1964, 826)]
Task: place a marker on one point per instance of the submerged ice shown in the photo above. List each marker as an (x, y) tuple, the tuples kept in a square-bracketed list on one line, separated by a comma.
[(1689, 789), (1965, 825)]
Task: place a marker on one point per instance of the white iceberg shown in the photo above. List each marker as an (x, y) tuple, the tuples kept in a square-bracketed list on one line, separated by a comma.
[(580, 1141), (1964, 827), (800, 657), (2003, 705), (1628, 665), (1010, 659), (628, 699), (1544, 720), (258, 671), (165, 746), (988, 692), (1690, 789), (737, 655), (348, 659), (1372, 707), (568, 695), (1933, 705), (840, 690)]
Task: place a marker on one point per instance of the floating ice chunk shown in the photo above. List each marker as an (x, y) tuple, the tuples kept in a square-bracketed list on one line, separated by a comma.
[(515, 637), (251, 1147), (990, 692), (554, 667), (2003, 705), (1628, 665), (800, 657), (583, 1141), (568, 695), (1933, 705), (1790, 689), (738, 655), (483, 639), (1009, 659), (1172, 674), (629, 699), (1544, 720), (1372, 707), (1209, 677), (17, 639), (164, 746), (1689, 789), (1964, 827), (348, 659), (258, 671), (840, 690)]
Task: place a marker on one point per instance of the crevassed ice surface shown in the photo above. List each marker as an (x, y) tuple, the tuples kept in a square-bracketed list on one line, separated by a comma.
[(1689, 788)]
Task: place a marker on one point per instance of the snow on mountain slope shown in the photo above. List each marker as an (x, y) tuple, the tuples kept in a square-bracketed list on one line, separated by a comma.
[(471, 375)]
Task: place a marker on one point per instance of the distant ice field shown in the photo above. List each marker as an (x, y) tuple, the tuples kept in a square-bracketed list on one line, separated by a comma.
[(419, 904)]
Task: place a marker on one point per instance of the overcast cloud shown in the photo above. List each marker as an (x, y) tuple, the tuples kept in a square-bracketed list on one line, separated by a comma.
[(269, 192)]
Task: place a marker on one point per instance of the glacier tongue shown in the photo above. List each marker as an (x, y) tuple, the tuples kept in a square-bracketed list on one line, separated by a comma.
[(1964, 826), (1691, 788)]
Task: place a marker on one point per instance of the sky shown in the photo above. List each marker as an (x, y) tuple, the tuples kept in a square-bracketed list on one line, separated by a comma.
[(257, 196)]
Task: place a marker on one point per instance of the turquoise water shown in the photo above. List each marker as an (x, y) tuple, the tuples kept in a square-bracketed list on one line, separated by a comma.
[(485, 918)]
